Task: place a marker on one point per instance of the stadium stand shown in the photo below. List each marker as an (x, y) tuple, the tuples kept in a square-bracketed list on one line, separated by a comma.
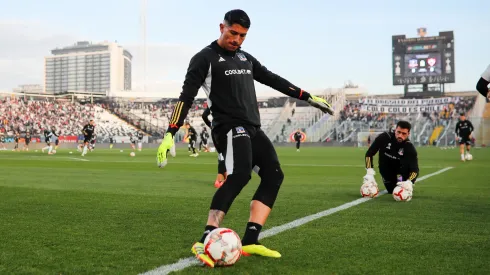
[(19, 115), (280, 117)]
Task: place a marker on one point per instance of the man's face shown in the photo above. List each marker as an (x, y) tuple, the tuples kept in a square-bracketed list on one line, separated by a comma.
[(232, 36), (92, 123), (401, 134), (463, 118)]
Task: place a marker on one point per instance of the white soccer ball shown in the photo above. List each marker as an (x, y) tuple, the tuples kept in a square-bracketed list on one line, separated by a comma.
[(54, 151), (402, 194), (369, 189), (469, 157), (223, 246), (132, 154)]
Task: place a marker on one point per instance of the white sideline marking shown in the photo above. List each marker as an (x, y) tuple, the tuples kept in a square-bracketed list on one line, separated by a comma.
[(191, 162), (190, 261), (79, 159)]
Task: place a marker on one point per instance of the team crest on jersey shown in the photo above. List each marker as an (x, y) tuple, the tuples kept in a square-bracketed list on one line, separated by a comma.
[(389, 146), (240, 130), (241, 56), (400, 152)]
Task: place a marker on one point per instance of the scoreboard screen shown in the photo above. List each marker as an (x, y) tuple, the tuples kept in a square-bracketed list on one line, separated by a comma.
[(423, 60), (423, 64)]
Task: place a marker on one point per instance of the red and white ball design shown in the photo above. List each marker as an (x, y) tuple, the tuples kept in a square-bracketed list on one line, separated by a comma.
[(369, 189), (402, 194), (223, 246)]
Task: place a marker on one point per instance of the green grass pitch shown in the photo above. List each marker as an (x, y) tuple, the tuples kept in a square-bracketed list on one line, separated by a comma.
[(114, 214)]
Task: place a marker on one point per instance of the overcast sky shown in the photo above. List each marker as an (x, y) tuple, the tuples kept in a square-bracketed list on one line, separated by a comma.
[(314, 44)]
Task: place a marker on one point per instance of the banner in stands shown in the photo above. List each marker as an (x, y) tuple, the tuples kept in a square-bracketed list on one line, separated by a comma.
[(404, 102), (10, 139), (68, 139), (403, 109)]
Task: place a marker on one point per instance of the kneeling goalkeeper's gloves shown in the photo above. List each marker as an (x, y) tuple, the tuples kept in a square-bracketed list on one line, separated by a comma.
[(369, 177), (167, 146), (407, 185), (321, 104)]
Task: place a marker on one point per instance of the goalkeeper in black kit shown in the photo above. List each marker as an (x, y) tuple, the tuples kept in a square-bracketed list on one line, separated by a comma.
[(398, 162), (227, 73)]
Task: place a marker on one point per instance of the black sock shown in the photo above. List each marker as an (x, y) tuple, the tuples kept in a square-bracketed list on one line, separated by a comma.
[(251, 233), (207, 230)]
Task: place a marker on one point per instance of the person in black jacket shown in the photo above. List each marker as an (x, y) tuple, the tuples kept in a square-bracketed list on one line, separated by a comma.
[(482, 84), (227, 73), (398, 162)]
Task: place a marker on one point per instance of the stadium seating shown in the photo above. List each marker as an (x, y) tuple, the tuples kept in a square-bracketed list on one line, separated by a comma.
[(66, 116), (427, 128)]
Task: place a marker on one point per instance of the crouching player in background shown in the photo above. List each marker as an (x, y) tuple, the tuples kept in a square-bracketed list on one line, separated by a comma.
[(398, 162)]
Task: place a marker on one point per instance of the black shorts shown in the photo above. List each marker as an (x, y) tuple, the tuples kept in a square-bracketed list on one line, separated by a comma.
[(86, 139), (57, 142), (204, 141), (27, 142), (245, 148), (465, 140), (192, 142)]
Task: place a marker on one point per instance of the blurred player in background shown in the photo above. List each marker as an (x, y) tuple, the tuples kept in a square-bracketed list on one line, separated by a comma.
[(192, 135), (132, 141), (16, 142), (398, 162), (140, 140), (27, 141), (220, 179), (93, 141), (297, 138), (482, 85), (204, 140), (55, 137), (47, 138), (88, 131), (2, 142), (464, 129), (111, 141)]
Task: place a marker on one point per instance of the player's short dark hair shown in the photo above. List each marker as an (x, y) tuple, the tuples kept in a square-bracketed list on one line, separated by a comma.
[(404, 125), (237, 17), (462, 114)]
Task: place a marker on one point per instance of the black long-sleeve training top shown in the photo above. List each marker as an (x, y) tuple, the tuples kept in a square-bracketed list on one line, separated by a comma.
[(393, 155), (482, 84), (228, 79), (464, 128)]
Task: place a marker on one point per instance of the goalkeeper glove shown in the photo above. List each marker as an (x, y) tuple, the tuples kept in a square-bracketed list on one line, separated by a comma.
[(369, 177), (321, 104), (165, 147), (407, 185)]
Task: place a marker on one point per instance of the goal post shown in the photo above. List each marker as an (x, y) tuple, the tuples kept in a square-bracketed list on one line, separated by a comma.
[(362, 138)]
